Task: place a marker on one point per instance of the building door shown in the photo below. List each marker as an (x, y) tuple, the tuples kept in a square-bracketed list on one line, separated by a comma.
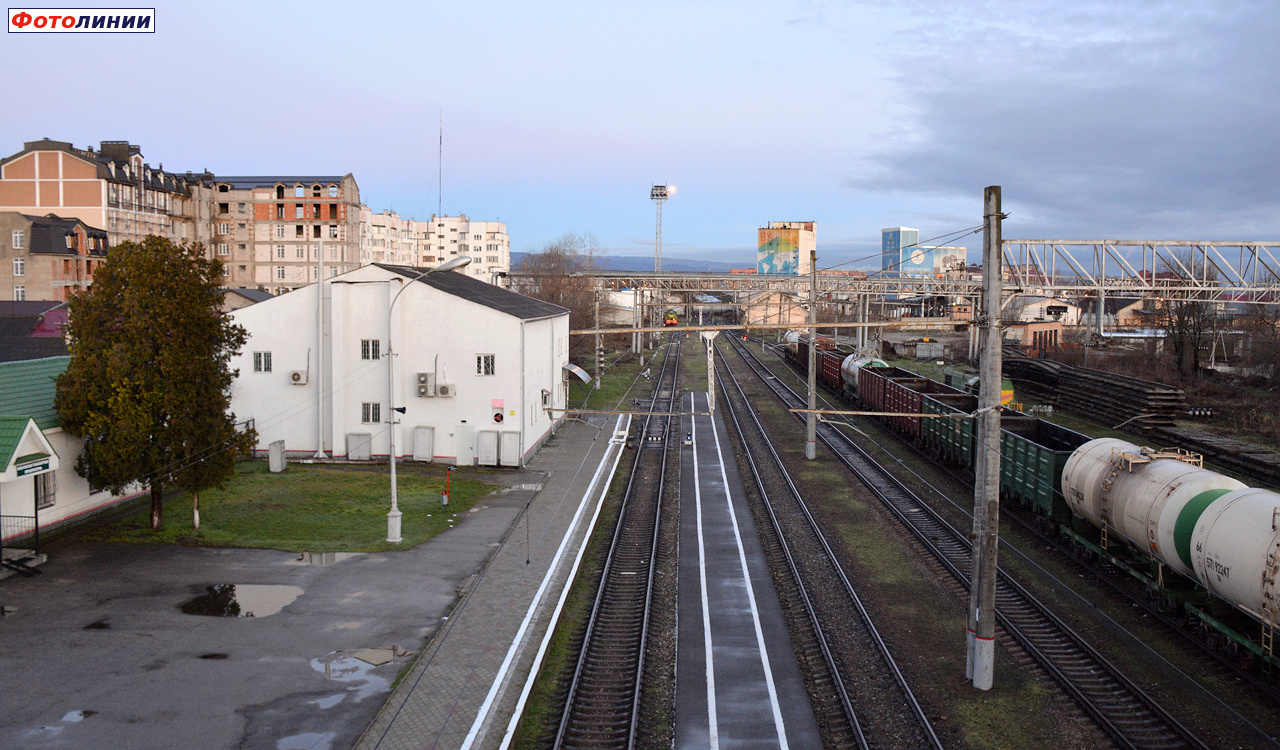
[(464, 437)]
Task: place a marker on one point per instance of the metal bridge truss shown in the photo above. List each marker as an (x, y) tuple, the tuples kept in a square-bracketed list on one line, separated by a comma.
[(1228, 271)]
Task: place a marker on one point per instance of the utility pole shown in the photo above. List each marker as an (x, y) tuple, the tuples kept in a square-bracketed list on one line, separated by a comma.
[(811, 423), (709, 337), (980, 665), (599, 341)]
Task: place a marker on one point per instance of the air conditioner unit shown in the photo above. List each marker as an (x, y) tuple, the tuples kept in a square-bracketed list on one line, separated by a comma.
[(426, 384), (446, 390), (298, 377)]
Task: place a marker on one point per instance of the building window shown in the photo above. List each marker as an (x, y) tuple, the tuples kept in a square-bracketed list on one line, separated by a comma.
[(369, 348), (19, 293), (333, 191), (279, 251), (297, 230), (222, 248), (370, 413), (300, 251), (241, 225), (280, 232), (224, 208), (240, 208), (315, 231), (224, 228), (484, 364), (46, 490), (19, 266), (299, 211), (333, 231), (333, 210), (280, 272), (279, 191), (475, 236), (262, 361), (241, 245), (280, 211), (492, 259)]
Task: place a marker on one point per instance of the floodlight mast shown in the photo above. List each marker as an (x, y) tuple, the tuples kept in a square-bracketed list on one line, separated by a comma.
[(658, 193)]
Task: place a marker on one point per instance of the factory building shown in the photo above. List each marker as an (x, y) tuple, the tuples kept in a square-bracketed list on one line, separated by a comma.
[(476, 368), (784, 247)]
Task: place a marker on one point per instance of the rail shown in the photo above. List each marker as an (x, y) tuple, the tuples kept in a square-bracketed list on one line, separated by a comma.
[(1119, 707)]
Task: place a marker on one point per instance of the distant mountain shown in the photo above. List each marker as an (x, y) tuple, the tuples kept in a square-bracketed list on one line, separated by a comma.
[(633, 263)]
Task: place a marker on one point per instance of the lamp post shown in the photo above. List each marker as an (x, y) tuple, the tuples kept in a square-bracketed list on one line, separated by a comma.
[(393, 516)]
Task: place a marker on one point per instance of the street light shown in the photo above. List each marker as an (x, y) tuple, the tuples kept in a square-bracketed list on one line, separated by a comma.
[(393, 517)]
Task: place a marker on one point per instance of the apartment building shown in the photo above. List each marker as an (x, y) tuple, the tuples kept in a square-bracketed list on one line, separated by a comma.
[(386, 237), (47, 257), (269, 230), (113, 189)]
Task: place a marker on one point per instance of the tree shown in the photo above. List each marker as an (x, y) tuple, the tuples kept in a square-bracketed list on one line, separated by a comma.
[(553, 274), (149, 381), (1189, 323)]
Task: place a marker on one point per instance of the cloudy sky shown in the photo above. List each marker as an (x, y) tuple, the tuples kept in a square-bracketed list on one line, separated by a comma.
[(1125, 119)]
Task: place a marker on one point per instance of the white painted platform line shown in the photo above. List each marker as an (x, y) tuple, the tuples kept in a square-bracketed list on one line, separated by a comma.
[(499, 679), (618, 441), (751, 596), (713, 731)]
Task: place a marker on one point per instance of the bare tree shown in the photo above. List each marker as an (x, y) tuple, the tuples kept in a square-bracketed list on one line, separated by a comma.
[(555, 274), (1189, 324)]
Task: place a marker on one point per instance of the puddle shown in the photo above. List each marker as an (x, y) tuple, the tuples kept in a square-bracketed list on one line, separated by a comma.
[(50, 731), (242, 600), (321, 559), (73, 717), (348, 668), (307, 741)]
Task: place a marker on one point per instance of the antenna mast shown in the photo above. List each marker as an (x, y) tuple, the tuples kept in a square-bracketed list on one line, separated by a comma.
[(440, 170)]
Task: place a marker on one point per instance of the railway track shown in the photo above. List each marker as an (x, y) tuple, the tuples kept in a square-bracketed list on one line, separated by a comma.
[(846, 661), (603, 703), (1120, 708)]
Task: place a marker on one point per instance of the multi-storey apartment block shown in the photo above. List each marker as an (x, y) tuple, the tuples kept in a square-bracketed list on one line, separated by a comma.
[(111, 189), (268, 230), (386, 237), (47, 257)]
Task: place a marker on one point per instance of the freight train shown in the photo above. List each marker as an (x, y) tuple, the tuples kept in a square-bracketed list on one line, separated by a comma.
[(1205, 546)]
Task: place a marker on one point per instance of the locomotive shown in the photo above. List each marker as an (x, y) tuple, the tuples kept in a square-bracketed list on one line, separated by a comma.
[(671, 319), (1206, 546)]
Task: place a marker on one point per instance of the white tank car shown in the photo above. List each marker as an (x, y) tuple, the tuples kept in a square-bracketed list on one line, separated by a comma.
[(790, 339), (852, 364), (1235, 550), (1152, 502)]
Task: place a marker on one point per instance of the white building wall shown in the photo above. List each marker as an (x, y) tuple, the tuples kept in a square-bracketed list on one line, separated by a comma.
[(433, 332), (73, 496)]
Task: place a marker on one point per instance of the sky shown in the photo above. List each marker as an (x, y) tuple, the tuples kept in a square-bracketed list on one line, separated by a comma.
[(1124, 119)]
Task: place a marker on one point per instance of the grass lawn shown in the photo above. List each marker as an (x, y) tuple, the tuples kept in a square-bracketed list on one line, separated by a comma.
[(308, 508)]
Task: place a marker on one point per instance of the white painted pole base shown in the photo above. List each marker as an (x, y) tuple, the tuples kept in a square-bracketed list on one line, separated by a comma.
[(393, 527), (968, 655), (810, 447), (984, 663)]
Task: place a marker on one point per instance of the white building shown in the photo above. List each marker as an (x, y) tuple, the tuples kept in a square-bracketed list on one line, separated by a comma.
[(476, 366), (38, 479), (387, 237)]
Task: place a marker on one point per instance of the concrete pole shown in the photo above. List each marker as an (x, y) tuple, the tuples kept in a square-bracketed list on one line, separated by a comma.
[(986, 497), (709, 337), (635, 318), (599, 339), (811, 421), (320, 400)]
